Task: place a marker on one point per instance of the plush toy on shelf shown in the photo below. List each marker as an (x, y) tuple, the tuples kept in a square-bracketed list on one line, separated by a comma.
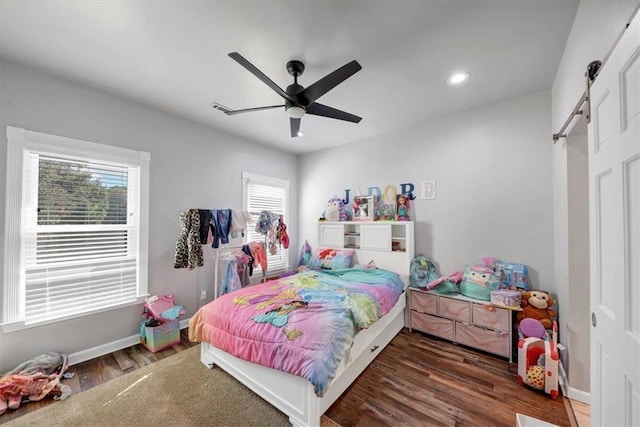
[(537, 305), (336, 210)]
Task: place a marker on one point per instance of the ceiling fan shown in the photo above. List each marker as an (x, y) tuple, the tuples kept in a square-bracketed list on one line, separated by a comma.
[(298, 100)]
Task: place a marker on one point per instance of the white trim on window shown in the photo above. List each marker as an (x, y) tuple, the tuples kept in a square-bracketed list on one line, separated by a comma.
[(23, 146)]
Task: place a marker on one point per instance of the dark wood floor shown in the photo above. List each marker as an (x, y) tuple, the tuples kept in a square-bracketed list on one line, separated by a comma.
[(419, 380), (416, 381)]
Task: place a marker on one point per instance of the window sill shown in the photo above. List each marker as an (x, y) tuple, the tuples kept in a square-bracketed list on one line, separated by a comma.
[(20, 325)]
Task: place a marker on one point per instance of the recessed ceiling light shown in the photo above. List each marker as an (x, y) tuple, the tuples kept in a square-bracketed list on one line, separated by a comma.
[(458, 78), (300, 133)]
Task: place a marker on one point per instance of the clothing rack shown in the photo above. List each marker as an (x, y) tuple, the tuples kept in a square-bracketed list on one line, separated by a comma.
[(183, 258)]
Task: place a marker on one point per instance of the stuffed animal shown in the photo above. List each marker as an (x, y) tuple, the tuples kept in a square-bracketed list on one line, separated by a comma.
[(536, 305), (535, 377), (335, 210)]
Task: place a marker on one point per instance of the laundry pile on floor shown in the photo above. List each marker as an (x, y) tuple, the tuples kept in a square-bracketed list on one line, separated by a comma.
[(34, 379)]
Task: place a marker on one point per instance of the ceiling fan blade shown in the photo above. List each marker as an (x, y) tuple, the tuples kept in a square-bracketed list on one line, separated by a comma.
[(259, 74), (247, 110), (328, 82), (295, 127), (326, 111)]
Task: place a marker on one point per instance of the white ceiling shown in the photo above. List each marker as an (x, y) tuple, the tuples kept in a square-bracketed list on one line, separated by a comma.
[(172, 55)]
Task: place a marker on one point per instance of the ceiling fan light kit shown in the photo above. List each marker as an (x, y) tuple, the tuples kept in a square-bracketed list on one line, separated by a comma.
[(299, 100), (295, 112)]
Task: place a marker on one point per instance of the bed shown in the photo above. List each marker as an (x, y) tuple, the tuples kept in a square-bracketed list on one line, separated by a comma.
[(300, 341)]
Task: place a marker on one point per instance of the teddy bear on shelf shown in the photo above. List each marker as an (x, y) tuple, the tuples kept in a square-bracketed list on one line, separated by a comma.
[(537, 305)]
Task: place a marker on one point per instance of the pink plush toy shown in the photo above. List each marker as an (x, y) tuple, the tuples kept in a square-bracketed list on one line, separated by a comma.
[(454, 278)]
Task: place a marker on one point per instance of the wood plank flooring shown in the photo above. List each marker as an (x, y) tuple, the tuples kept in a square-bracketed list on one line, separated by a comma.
[(582, 412), (416, 381), (419, 380)]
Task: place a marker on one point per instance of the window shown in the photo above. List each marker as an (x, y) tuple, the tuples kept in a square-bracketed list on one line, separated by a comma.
[(76, 228), (263, 193)]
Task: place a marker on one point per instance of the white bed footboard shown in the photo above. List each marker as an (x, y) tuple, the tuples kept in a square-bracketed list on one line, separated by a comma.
[(294, 395)]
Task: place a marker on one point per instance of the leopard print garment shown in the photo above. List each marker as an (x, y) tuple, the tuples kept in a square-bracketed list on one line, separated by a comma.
[(194, 245), (188, 252), (182, 252)]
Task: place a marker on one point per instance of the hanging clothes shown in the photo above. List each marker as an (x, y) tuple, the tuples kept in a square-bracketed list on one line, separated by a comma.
[(209, 236), (182, 251), (259, 254), (281, 233), (240, 220), (231, 280), (222, 223), (265, 222), (242, 266), (247, 250), (188, 253), (194, 246), (206, 225)]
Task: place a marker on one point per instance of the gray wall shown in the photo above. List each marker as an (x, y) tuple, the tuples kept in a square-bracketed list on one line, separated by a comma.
[(595, 29), (192, 166), (575, 322), (492, 167)]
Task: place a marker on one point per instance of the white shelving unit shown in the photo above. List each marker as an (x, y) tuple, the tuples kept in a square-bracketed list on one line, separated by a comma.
[(369, 238), (375, 235)]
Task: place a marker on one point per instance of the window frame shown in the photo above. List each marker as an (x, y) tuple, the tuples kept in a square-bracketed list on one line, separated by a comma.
[(247, 178), (19, 143)]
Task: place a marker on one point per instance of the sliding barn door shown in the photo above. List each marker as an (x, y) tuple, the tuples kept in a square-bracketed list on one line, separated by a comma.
[(614, 205)]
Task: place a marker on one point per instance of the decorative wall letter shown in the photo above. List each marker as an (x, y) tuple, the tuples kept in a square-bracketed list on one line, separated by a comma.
[(346, 196), (389, 198), (428, 190), (407, 188)]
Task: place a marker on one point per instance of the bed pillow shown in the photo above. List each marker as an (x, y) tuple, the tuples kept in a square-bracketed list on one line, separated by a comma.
[(331, 258)]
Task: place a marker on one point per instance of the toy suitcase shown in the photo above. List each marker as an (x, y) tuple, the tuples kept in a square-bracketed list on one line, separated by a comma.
[(532, 354)]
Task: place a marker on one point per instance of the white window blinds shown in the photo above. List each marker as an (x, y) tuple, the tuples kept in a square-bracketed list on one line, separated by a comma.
[(81, 240), (80, 236), (270, 194)]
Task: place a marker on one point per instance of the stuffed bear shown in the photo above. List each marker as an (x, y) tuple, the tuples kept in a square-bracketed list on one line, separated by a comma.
[(536, 305)]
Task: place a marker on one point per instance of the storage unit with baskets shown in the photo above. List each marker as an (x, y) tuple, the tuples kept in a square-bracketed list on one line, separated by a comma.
[(463, 320)]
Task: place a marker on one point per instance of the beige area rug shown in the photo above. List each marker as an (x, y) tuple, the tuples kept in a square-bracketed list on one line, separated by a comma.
[(176, 391)]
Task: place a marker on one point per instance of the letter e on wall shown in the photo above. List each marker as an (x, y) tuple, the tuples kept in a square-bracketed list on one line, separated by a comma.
[(428, 190)]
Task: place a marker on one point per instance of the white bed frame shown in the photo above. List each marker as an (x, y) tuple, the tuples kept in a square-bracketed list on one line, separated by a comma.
[(294, 395)]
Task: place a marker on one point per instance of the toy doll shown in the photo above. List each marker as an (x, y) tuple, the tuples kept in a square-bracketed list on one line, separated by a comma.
[(402, 209)]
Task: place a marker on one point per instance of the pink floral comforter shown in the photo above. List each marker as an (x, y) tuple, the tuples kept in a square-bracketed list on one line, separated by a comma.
[(302, 324)]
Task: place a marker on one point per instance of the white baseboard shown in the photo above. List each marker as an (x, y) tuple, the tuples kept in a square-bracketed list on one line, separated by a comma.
[(563, 380), (110, 347), (571, 392), (579, 395)]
